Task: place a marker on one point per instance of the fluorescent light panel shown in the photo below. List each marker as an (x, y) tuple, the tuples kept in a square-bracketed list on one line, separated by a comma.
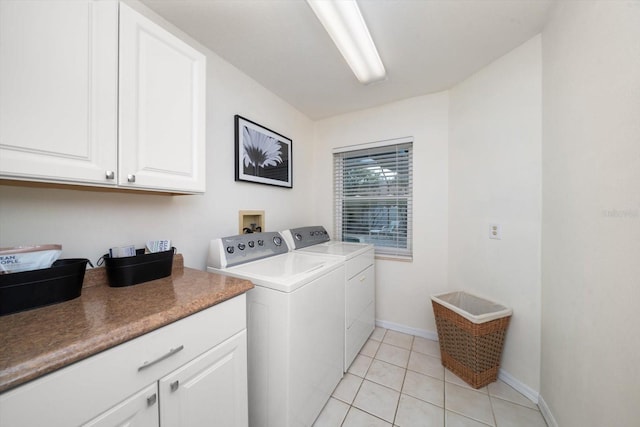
[(344, 23)]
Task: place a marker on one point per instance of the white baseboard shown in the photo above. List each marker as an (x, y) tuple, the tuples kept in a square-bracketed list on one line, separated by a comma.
[(546, 413), (503, 375), (408, 330), (519, 386)]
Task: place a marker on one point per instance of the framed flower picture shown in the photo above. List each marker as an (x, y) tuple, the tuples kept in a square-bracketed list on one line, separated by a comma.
[(262, 155)]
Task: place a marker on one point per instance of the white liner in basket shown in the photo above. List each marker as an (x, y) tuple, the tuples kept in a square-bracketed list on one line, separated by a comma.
[(471, 307)]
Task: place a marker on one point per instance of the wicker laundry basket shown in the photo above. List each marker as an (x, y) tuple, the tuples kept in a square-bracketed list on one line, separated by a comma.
[(471, 332)]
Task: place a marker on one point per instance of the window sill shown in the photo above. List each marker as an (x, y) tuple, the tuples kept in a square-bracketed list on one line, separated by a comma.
[(401, 258)]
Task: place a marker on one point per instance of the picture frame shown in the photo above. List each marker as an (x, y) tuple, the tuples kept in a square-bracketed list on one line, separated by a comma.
[(262, 155)]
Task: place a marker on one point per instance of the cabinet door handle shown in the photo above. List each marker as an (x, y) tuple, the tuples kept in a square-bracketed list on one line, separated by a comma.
[(131, 178), (109, 174), (171, 352), (151, 400), (174, 385), (363, 278)]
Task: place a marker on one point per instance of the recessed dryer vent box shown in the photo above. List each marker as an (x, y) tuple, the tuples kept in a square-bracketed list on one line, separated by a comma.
[(251, 221)]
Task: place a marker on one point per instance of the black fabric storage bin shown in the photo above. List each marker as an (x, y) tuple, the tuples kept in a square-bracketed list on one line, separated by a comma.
[(36, 288), (131, 270)]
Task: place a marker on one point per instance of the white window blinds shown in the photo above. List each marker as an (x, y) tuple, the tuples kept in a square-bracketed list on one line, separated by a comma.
[(373, 195)]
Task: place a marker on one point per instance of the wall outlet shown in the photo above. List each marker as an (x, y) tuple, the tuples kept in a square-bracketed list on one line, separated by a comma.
[(495, 231)]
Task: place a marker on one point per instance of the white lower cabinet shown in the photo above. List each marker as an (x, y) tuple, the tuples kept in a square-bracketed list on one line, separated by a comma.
[(190, 373), (193, 396), (210, 390), (140, 410)]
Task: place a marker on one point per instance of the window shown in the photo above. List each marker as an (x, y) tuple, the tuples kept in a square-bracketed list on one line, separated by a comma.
[(373, 193)]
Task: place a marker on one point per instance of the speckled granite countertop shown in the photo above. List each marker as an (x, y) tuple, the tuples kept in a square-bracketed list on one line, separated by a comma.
[(39, 341)]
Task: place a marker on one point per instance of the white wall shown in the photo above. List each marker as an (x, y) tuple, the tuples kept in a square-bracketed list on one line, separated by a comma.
[(591, 214), (403, 289), (88, 223), (486, 170), (494, 177)]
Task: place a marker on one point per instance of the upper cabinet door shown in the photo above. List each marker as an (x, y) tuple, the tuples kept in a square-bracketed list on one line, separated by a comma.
[(58, 90), (162, 108)]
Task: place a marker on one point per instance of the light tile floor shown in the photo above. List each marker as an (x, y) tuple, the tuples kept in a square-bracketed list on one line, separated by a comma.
[(398, 380)]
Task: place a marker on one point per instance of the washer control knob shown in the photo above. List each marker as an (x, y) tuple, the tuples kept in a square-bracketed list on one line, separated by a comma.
[(277, 240), (230, 249), (241, 246), (260, 242), (298, 236), (251, 243)]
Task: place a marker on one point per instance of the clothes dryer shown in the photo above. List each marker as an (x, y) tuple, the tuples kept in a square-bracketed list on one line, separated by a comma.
[(359, 281)]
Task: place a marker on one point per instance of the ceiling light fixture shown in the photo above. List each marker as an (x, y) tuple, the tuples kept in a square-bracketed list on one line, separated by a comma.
[(344, 23)]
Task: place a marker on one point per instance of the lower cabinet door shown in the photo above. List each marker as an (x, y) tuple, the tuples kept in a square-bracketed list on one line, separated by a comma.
[(140, 410), (210, 390)]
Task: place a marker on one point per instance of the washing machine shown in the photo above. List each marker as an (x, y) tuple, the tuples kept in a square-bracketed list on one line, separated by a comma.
[(295, 325), (359, 281)]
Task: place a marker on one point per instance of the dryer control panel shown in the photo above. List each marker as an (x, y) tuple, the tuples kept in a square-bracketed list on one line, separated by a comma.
[(302, 237), (234, 250)]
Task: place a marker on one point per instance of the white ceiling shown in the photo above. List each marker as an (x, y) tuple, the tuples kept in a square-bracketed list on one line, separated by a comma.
[(426, 45)]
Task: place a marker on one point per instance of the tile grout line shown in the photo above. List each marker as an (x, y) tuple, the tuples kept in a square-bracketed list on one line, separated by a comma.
[(395, 415), (397, 406), (444, 396), (537, 408), (404, 378), (352, 400), (493, 412), (364, 377)]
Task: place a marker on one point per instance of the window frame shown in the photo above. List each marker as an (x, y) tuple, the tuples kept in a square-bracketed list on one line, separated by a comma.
[(403, 193)]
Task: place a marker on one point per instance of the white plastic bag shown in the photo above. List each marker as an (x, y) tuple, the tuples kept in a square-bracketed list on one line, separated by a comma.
[(25, 258)]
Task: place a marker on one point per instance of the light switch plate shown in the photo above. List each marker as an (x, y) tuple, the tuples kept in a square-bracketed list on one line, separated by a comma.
[(495, 231)]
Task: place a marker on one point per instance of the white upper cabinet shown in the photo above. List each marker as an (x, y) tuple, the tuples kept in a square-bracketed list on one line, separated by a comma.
[(58, 90), (162, 107), (94, 93)]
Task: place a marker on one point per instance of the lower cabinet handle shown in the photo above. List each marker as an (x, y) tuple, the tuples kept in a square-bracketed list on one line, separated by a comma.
[(363, 278), (151, 400), (171, 352), (174, 385)]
